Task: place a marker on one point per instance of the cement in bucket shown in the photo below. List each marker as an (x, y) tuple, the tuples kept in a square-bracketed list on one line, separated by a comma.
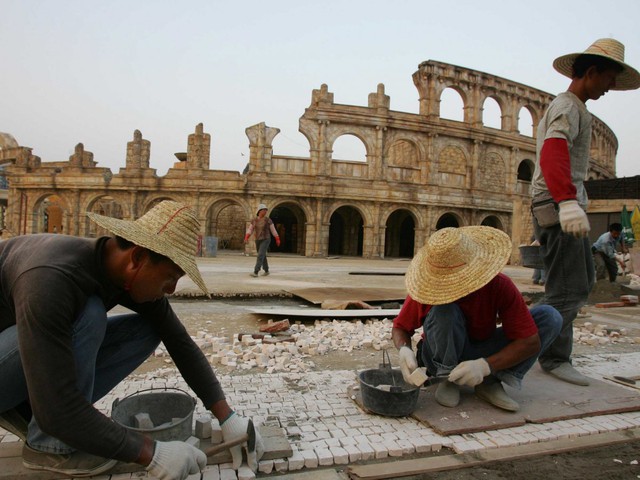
[(171, 412)]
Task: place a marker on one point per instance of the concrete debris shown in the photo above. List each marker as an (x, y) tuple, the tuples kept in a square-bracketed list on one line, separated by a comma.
[(594, 335), (321, 338)]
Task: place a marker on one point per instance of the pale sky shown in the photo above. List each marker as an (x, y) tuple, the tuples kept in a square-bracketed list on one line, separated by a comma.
[(94, 71)]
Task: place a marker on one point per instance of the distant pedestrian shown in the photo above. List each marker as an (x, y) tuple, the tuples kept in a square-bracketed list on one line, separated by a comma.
[(606, 247), (262, 226)]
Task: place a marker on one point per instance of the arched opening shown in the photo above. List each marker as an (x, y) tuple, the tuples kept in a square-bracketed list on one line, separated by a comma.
[(349, 147), (226, 221), (492, 221), (525, 171), (107, 206), (525, 122), (491, 113), (289, 220), (447, 220), (451, 105), (346, 232), (399, 236), (50, 215)]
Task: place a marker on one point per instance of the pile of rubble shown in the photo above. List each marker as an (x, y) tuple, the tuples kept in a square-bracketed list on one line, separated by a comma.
[(590, 334), (293, 352)]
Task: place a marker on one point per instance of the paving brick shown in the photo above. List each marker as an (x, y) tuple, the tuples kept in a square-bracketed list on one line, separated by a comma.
[(265, 466), (324, 456), (340, 455), (310, 458)]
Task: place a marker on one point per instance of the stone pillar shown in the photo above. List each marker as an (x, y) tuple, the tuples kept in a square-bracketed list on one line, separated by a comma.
[(199, 149), (260, 146), (138, 152)]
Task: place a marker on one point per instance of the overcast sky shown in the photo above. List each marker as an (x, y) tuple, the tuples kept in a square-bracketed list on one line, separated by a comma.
[(94, 71)]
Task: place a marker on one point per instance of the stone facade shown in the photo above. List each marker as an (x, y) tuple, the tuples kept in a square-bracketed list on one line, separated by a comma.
[(422, 172)]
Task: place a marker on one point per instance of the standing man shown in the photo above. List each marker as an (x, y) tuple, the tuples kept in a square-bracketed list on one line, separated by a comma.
[(263, 228), (60, 353), (559, 197), (606, 247)]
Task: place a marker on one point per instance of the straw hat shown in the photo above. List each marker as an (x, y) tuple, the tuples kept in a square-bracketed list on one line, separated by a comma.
[(170, 229), (456, 262), (262, 206), (627, 79)]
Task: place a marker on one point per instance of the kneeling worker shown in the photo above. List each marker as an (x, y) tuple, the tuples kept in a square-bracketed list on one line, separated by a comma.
[(459, 298)]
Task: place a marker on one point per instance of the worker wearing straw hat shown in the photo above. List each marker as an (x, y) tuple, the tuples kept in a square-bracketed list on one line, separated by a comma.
[(560, 200), (263, 227), (457, 297), (60, 353)]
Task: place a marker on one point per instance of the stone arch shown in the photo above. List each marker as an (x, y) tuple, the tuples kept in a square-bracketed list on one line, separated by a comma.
[(349, 133), (448, 219), (108, 206), (525, 170), (346, 231), (449, 108), (403, 152), (400, 234), (492, 172), (50, 214), (492, 221), (527, 129), (488, 113), (289, 219), (225, 219), (452, 159)]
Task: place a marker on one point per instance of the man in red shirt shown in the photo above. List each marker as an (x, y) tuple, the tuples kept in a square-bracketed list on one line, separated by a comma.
[(475, 325)]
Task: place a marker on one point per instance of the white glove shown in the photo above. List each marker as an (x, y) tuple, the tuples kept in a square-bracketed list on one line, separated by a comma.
[(236, 426), (408, 363), (573, 219), (470, 373), (176, 461)]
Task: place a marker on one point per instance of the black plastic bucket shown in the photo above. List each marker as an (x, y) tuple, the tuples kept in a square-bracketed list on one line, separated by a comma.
[(399, 402), (530, 256), (171, 411)]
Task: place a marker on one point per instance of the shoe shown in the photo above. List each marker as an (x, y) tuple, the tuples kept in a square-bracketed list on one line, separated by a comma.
[(448, 394), (493, 392), (265, 273), (76, 464), (15, 423), (253, 274), (567, 373)]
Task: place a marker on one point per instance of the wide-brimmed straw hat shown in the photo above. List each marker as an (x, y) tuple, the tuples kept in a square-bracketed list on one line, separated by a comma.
[(627, 79), (262, 206), (456, 262), (170, 229)]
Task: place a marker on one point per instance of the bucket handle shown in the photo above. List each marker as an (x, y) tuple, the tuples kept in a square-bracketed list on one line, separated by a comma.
[(386, 360), (117, 401)]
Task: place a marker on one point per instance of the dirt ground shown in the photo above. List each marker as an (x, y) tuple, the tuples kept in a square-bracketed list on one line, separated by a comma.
[(228, 316)]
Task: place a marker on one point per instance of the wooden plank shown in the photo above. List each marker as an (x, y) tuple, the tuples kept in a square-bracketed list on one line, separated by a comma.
[(403, 468), (320, 313), (319, 295)]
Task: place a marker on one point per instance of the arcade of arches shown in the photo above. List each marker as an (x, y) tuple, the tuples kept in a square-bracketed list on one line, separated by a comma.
[(421, 172)]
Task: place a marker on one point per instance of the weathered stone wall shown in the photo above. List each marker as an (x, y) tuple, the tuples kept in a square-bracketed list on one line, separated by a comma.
[(422, 172)]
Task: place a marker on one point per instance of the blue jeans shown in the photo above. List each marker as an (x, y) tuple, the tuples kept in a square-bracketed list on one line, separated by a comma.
[(105, 349), (447, 343), (262, 246), (568, 263)]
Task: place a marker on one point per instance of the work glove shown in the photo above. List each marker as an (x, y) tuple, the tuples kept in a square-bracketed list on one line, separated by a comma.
[(470, 373), (573, 219), (176, 461), (408, 363), (246, 237), (233, 427), (277, 241)]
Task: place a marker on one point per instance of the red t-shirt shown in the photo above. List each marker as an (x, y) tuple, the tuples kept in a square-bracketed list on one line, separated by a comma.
[(497, 302)]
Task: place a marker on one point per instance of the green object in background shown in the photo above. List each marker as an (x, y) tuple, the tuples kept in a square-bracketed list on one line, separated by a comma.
[(627, 229)]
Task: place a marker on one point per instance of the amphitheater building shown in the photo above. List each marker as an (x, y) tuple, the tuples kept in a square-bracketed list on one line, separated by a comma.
[(422, 172)]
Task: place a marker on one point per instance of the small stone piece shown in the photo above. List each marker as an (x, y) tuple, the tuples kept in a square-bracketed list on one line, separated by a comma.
[(143, 421), (419, 376)]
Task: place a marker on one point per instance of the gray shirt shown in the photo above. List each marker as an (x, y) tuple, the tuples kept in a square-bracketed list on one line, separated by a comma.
[(567, 117)]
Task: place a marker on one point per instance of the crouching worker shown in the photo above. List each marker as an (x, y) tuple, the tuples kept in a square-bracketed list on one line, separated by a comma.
[(60, 353), (476, 327)]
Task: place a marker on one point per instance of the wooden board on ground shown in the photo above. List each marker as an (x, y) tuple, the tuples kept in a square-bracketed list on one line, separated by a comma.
[(320, 313), (319, 295), (430, 465), (275, 441), (543, 398)]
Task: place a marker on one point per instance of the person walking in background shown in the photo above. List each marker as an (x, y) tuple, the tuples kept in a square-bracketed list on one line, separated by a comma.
[(559, 197), (263, 228), (606, 248)]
